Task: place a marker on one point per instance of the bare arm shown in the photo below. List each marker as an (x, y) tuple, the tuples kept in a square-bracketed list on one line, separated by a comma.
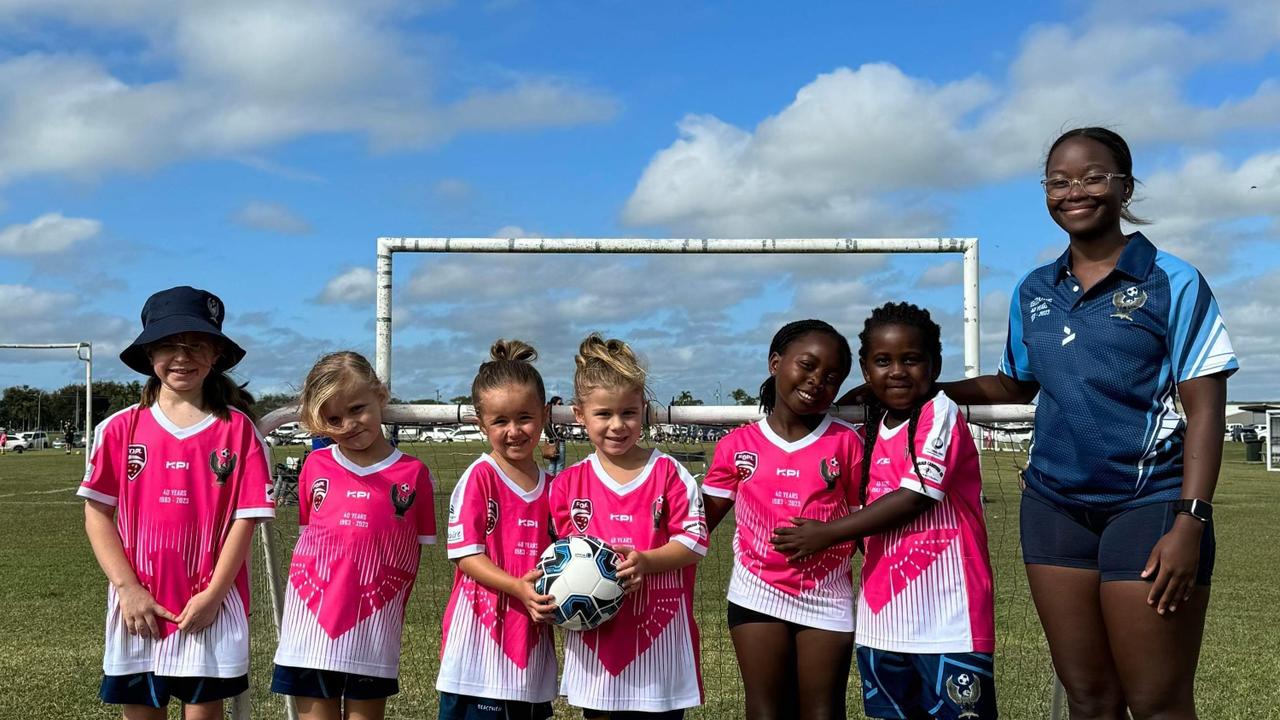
[(1175, 558), (483, 570), (672, 556), (717, 508), (997, 389), (890, 512), (138, 607)]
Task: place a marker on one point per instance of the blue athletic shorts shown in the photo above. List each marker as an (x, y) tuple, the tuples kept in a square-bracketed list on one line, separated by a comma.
[(906, 686), (329, 684), (156, 690), (468, 707), (1116, 543)]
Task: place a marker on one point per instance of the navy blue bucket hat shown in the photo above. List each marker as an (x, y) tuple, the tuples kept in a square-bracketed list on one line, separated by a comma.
[(179, 310)]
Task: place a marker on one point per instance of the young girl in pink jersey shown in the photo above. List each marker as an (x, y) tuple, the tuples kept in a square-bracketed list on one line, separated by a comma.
[(175, 486), (498, 654), (365, 509), (644, 663), (791, 622), (926, 627)]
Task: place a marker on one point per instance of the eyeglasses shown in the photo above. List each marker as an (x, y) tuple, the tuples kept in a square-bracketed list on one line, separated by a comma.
[(1093, 185), (199, 348)]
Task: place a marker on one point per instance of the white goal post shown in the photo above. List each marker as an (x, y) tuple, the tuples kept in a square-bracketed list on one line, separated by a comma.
[(84, 351), (388, 246)]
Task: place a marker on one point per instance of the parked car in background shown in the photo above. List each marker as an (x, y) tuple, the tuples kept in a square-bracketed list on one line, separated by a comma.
[(467, 433), (16, 443), (36, 439), (436, 434)]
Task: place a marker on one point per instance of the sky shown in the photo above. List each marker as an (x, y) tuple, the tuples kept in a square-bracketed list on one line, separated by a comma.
[(258, 149)]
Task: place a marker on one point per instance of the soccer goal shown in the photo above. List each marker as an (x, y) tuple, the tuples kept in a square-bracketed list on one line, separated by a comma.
[(84, 352), (1025, 675)]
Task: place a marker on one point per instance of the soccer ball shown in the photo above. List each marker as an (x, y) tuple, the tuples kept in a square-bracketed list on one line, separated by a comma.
[(581, 572)]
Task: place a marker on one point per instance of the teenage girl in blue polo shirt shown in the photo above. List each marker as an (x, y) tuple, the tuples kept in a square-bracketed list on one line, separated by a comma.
[(1117, 533)]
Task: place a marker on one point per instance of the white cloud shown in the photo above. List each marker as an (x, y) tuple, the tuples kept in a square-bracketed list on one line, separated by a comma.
[(865, 151), (511, 231), (50, 233), (248, 75), (943, 275), (353, 286), (271, 217)]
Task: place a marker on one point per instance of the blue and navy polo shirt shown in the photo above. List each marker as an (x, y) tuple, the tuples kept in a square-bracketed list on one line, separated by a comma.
[(1108, 362)]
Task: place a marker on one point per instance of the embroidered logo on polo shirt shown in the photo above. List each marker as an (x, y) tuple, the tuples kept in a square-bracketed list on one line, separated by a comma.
[(1127, 301), (1038, 307)]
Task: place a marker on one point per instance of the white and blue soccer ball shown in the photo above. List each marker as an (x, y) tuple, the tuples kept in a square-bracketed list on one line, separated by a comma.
[(581, 572)]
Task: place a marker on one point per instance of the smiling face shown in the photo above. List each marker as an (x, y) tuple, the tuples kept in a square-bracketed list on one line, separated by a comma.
[(808, 373), (1080, 214), (512, 417), (898, 367), (353, 417), (183, 361), (613, 418)]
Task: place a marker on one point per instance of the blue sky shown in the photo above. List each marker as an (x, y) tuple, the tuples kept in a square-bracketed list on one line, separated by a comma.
[(257, 149)]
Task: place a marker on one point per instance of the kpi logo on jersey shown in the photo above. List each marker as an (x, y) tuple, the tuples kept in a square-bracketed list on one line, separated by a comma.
[(659, 511), (223, 463), (746, 462), (491, 517), (136, 460), (402, 495), (830, 472), (580, 513), (319, 489)]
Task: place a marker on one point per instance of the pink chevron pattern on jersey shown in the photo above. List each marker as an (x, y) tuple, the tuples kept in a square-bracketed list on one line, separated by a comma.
[(491, 647), (927, 587), (173, 512), (771, 481), (355, 562), (646, 659)]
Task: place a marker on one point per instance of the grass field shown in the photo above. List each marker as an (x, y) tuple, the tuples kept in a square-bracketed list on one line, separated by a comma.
[(53, 595)]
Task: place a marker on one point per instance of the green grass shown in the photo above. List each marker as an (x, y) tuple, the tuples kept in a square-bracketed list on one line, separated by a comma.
[(53, 600)]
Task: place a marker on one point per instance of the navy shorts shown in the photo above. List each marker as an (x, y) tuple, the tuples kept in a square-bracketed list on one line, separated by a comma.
[(1116, 543), (468, 707), (945, 686), (153, 690), (330, 684)]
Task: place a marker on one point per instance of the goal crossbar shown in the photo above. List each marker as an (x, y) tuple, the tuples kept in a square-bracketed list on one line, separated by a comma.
[(388, 246), (84, 351)]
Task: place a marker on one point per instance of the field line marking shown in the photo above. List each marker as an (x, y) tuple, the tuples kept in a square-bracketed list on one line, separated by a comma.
[(40, 492)]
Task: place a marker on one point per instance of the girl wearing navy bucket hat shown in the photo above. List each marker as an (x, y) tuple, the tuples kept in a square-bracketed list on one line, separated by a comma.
[(174, 488)]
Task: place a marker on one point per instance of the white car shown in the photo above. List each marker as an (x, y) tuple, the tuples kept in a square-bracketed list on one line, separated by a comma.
[(436, 434), (16, 444), (36, 439), (467, 433)]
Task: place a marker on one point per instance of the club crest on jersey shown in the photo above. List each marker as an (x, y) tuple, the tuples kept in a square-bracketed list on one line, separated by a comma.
[(222, 463), (746, 462), (1127, 301), (136, 460), (659, 511), (491, 516), (580, 513), (402, 496), (965, 690), (319, 489), (830, 472)]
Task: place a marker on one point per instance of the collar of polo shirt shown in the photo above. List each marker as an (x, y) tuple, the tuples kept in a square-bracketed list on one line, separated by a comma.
[(1136, 260)]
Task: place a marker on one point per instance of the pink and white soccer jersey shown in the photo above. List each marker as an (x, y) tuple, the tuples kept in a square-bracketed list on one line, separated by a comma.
[(177, 492), (771, 481), (491, 647), (646, 659), (926, 587), (355, 562)]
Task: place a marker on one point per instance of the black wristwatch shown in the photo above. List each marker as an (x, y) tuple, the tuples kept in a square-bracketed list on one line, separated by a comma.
[(1196, 508)]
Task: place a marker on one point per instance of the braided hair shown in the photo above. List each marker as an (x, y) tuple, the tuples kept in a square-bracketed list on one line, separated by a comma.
[(789, 333), (907, 315)]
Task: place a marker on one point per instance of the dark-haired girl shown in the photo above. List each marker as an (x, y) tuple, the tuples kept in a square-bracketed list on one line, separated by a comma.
[(791, 621), (926, 625), (1117, 531)]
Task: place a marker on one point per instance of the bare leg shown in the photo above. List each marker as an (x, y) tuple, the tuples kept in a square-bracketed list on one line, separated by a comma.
[(366, 709), (318, 708), (766, 657), (1067, 601), (1163, 689), (823, 659), (144, 712)]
